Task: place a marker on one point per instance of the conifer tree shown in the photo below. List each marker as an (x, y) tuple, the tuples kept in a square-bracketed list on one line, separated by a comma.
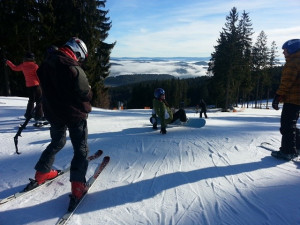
[(225, 60), (245, 83), (272, 64), (260, 63)]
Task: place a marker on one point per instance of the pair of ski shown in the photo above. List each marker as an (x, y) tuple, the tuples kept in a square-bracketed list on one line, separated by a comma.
[(64, 219)]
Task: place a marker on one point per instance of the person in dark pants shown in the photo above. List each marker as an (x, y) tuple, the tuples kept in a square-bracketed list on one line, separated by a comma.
[(29, 68), (66, 101), (203, 108), (163, 111), (289, 93)]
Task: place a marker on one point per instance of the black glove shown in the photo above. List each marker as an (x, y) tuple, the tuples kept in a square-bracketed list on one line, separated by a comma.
[(275, 102), (163, 130)]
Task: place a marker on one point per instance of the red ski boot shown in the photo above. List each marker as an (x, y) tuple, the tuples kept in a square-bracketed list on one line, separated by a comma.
[(79, 189), (42, 177)]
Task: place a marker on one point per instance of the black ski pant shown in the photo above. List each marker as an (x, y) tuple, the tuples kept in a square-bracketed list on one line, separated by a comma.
[(180, 114), (204, 112), (78, 135), (35, 96), (290, 140)]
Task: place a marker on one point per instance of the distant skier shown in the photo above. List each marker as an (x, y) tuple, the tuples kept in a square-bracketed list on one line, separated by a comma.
[(289, 93), (202, 105), (29, 68), (66, 96), (163, 111)]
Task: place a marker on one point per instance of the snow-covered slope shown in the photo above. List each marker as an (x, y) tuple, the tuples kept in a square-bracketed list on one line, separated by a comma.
[(217, 174)]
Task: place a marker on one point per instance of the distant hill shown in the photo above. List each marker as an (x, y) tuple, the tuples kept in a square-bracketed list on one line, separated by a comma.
[(135, 78), (158, 59), (201, 63)]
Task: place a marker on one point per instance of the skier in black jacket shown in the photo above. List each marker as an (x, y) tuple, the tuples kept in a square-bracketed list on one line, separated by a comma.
[(66, 101)]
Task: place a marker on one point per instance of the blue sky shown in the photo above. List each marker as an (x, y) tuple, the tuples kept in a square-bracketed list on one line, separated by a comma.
[(190, 28)]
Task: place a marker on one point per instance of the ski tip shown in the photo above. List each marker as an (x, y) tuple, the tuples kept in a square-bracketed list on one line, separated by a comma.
[(106, 158)]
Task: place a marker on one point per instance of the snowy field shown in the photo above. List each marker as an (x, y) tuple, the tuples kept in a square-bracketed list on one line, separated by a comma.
[(217, 174)]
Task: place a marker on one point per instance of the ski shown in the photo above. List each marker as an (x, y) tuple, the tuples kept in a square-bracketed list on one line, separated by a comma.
[(37, 124), (267, 146), (47, 183), (65, 218)]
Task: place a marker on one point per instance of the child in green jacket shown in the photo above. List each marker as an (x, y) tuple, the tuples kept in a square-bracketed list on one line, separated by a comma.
[(163, 111)]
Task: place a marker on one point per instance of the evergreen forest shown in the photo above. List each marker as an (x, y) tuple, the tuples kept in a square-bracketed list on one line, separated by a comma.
[(36, 25)]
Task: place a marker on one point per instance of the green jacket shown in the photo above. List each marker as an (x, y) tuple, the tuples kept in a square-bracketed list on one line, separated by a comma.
[(163, 112), (289, 88)]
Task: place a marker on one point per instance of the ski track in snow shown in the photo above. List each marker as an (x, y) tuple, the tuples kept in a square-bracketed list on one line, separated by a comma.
[(217, 174)]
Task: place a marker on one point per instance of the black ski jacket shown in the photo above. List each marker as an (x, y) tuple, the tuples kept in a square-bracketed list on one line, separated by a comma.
[(66, 91)]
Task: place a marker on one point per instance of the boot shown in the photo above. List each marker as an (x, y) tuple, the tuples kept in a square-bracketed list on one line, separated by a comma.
[(285, 156), (42, 177), (79, 189)]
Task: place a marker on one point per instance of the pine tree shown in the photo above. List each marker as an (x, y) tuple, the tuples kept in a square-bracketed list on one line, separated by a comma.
[(260, 64), (99, 26), (245, 27), (86, 20), (225, 60), (272, 63)]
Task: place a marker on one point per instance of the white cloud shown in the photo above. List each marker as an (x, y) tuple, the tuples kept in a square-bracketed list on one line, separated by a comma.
[(193, 27), (171, 67)]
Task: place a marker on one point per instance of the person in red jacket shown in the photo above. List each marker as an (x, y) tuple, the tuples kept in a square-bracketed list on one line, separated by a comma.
[(29, 68)]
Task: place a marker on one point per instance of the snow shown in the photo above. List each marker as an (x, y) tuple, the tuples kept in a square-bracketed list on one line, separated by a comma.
[(217, 174)]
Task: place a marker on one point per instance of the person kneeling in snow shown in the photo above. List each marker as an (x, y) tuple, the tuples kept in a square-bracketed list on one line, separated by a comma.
[(163, 111)]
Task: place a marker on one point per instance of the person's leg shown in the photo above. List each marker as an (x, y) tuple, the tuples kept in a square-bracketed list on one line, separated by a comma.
[(289, 117), (58, 141), (298, 140), (79, 164), (44, 165), (38, 103), (30, 103), (180, 114)]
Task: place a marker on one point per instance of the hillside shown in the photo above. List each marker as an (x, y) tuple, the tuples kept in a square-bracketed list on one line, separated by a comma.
[(134, 78)]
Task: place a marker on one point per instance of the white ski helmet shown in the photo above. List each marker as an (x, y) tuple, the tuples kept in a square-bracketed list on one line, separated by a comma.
[(78, 47)]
